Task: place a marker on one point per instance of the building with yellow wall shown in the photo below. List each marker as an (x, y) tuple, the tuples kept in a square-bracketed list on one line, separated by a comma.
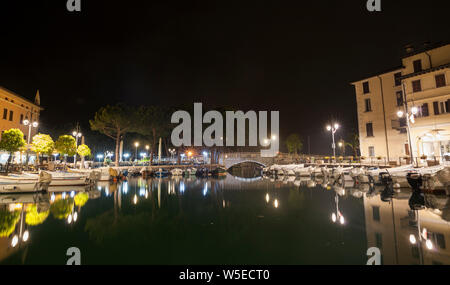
[(14, 109), (419, 86)]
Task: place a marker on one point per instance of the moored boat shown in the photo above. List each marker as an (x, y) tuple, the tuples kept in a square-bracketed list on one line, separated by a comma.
[(25, 183)]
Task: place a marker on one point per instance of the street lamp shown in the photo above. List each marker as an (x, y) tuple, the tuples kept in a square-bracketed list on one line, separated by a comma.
[(77, 135), (136, 144), (410, 118), (172, 153), (100, 156), (26, 122), (333, 130)]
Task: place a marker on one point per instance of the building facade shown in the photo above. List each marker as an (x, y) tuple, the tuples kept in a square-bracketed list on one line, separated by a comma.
[(419, 91), (14, 110)]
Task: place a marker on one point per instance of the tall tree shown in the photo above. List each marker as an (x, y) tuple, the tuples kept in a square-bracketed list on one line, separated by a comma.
[(154, 124), (83, 151), (115, 122), (66, 146), (294, 144), (12, 141), (353, 142)]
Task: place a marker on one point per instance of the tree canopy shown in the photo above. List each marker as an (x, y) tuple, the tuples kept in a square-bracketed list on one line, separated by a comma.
[(66, 145), (12, 140), (43, 144), (83, 150), (114, 122), (294, 143), (353, 142)]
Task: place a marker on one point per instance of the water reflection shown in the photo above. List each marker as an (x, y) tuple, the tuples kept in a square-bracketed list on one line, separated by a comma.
[(408, 228), (225, 221)]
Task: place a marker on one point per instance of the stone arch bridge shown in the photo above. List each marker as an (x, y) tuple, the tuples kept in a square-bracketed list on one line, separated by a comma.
[(229, 160)]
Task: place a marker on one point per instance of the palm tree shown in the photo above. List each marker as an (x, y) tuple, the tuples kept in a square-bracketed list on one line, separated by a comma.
[(353, 142)]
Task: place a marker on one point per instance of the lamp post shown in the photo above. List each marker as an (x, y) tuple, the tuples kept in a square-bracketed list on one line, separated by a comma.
[(28, 123), (136, 144), (35, 124), (333, 129), (77, 134), (410, 117), (100, 157), (172, 153)]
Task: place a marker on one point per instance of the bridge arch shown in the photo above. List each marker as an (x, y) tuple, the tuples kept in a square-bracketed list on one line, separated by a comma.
[(244, 161)]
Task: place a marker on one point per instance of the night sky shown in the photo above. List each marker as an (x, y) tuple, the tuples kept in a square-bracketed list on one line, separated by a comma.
[(296, 57)]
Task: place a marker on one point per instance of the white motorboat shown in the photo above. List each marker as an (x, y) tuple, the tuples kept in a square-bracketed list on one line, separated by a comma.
[(190, 171), (177, 172), (373, 174), (319, 171), (23, 183), (339, 170), (398, 175), (66, 178), (435, 177), (92, 174), (303, 171)]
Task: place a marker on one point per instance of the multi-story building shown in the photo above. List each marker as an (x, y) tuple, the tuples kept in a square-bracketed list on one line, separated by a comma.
[(420, 86), (14, 110)]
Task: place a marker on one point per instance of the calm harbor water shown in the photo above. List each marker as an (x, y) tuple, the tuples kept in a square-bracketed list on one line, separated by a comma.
[(224, 221)]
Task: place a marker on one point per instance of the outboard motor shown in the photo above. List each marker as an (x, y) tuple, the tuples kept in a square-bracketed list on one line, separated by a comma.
[(44, 181), (385, 178), (414, 180), (93, 177)]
